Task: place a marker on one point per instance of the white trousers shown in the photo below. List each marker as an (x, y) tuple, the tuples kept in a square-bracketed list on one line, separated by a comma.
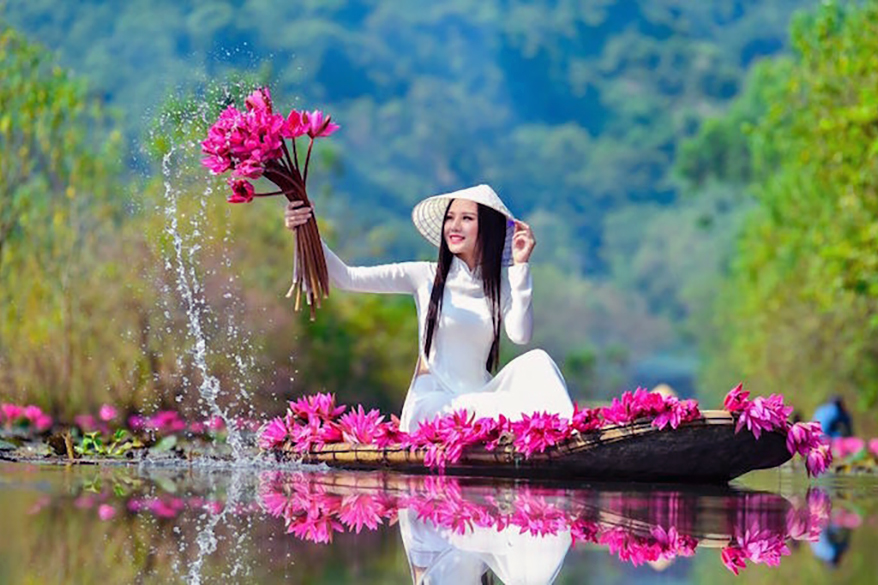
[(530, 383)]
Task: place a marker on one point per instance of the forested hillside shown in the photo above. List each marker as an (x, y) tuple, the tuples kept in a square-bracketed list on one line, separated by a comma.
[(576, 112)]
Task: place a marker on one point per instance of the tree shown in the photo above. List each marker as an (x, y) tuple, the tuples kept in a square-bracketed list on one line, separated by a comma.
[(799, 312)]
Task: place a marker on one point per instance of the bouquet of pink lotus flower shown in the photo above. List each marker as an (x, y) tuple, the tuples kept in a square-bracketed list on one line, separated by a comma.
[(252, 144)]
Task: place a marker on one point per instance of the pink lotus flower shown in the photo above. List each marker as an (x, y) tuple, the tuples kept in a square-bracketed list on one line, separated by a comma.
[(260, 100), (136, 422), (733, 558), (242, 191), (584, 531), (537, 432), (216, 423), (672, 543), (818, 460), (106, 512), (388, 434), (317, 528), (295, 125), (33, 415), (273, 502), (492, 431), (320, 405), (358, 427), (802, 437), (361, 510), (807, 522), (9, 413), (86, 422), (764, 414), (586, 419), (247, 169), (274, 434), (165, 421), (107, 413), (445, 437), (632, 406), (534, 515), (762, 546), (318, 125), (736, 399), (675, 412), (873, 447), (218, 142), (42, 423), (846, 446)]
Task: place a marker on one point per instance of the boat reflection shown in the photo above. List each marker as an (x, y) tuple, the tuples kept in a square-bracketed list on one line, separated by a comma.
[(463, 530), (455, 530)]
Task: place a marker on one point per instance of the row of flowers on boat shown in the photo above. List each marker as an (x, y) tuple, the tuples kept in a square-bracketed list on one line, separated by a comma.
[(312, 422)]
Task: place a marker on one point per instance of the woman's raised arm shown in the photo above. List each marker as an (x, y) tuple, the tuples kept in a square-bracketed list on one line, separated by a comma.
[(517, 293), (403, 277)]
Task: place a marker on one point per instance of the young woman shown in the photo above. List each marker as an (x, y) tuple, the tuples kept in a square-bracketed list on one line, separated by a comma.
[(463, 301)]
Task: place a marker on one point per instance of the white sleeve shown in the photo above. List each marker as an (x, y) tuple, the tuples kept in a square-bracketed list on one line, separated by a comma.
[(404, 277), (517, 291)]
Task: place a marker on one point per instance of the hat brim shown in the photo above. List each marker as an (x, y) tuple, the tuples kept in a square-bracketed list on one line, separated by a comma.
[(429, 216)]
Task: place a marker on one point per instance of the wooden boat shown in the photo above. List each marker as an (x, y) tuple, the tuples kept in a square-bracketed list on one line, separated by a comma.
[(703, 451)]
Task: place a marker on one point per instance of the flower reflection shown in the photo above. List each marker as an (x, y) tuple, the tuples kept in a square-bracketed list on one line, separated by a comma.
[(636, 528), (448, 524)]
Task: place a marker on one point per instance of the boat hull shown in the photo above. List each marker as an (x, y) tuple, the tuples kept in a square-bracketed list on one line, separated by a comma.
[(704, 451)]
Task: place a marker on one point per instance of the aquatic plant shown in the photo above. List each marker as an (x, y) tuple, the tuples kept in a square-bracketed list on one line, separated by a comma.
[(24, 417), (121, 443)]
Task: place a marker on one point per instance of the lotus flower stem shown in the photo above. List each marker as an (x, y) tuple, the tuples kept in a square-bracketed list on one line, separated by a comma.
[(287, 155), (308, 161)]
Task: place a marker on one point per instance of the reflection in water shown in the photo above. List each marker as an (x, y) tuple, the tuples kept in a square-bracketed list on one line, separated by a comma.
[(453, 530)]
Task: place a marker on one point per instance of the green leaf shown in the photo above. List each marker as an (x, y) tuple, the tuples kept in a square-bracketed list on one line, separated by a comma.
[(166, 444)]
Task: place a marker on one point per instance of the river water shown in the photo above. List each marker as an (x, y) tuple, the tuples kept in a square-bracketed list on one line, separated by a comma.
[(215, 523)]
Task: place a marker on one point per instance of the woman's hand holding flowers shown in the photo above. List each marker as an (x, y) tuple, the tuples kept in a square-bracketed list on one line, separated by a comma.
[(296, 214)]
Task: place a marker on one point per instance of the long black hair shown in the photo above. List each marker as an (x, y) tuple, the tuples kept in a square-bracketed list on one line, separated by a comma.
[(489, 258)]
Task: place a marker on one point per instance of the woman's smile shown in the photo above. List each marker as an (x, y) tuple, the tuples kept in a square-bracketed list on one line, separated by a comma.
[(461, 230)]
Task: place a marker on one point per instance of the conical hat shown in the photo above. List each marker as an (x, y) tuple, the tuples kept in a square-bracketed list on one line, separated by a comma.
[(429, 215)]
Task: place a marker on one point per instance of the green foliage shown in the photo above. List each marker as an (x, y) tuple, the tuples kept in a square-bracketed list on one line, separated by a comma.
[(94, 445), (57, 204), (800, 308), (575, 111), (571, 107)]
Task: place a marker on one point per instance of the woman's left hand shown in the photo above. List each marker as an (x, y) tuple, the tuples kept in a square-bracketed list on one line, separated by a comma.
[(523, 242)]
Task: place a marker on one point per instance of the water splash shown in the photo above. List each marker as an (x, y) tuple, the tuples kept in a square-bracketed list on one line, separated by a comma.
[(207, 540), (192, 295)]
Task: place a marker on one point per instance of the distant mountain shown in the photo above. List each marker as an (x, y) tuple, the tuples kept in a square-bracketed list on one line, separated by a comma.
[(571, 108)]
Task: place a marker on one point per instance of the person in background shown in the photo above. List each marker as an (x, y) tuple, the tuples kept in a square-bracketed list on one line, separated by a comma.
[(834, 418)]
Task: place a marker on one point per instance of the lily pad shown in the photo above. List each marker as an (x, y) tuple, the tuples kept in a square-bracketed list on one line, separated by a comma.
[(7, 446)]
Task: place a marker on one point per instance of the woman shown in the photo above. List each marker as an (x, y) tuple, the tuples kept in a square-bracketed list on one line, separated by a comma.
[(463, 301)]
